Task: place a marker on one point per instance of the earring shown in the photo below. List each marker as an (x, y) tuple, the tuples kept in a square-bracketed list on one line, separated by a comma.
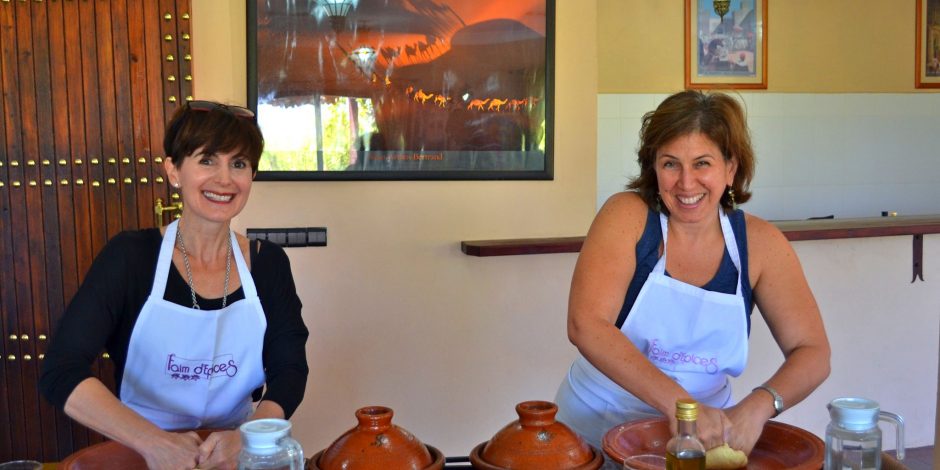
[(734, 205), (176, 185)]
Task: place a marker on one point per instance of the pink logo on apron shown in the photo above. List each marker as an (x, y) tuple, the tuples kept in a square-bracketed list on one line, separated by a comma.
[(194, 369), (681, 360)]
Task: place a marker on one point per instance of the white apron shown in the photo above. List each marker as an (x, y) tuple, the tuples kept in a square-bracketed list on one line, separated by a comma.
[(696, 337), (189, 368)]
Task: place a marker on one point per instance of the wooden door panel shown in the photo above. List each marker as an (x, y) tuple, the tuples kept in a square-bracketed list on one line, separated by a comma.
[(153, 96), (7, 306), (60, 425), (124, 116), (7, 296), (83, 103), (80, 50), (47, 296), (106, 90), (17, 249), (139, 126)]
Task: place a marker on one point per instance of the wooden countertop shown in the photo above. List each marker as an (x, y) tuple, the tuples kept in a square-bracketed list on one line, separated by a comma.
[(818, 229)]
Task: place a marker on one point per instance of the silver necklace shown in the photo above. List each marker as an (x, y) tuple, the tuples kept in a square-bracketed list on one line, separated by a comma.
[(189, 272)]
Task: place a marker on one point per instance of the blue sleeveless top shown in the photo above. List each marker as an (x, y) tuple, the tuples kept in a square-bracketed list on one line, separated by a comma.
[(725, 280)]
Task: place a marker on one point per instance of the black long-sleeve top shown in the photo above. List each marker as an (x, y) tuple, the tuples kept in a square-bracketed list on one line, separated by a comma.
[(103, 312)]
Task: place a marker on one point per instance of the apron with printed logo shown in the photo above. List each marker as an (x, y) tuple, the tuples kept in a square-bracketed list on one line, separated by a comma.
[(696, 337), (189, 368)]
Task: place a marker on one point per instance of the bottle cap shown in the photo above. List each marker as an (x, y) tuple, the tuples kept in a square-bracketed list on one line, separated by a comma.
[(686, 409), (262, 435)]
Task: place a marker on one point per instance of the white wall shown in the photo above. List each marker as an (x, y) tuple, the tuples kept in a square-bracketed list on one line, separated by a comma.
[(398, 315), (848, 155), (883, 330)]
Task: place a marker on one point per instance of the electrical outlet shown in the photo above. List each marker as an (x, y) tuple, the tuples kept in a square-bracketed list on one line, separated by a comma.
[(290, 237)]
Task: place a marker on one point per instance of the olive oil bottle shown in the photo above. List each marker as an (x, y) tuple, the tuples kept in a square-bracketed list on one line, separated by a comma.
[(684, 451)]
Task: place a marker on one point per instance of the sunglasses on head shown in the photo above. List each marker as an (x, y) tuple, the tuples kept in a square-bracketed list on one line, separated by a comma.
[(207, 106)]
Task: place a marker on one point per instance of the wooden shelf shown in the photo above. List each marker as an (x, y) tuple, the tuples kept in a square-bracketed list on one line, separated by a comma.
[(827, 229), (522, 246), (820, 229)]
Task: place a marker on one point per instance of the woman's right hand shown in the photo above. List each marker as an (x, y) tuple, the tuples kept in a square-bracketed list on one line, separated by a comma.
[(93, 404), (172, 451)]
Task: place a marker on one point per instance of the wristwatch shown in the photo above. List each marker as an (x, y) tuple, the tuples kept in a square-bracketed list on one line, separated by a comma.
[(778, 400)]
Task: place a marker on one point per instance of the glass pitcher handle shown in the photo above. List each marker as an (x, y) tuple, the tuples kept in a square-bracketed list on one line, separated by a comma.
[(898, 422), (296, 453)]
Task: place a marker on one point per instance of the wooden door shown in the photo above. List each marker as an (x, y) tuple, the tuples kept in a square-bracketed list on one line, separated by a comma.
[(86, 87)]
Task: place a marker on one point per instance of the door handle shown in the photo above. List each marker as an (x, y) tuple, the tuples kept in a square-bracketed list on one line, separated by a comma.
[(159, 209)]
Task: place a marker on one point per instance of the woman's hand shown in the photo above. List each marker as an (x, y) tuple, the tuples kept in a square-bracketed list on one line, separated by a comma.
[(220, 450), (746, 429), (748, 418), (172, 451), (713, 426)]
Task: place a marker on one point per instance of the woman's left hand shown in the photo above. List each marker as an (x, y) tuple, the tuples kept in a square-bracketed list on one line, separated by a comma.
[(746, 426), (713, 426), (220, 450)]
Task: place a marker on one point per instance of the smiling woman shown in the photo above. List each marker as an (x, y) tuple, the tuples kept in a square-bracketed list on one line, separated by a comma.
[(690, 266), (718, 132), (176, 368), (690, 173), (213, 159)]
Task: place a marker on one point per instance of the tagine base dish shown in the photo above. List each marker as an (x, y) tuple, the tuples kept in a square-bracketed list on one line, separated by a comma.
[(479, 464), (780, 446), (110, 454), (437, 460)]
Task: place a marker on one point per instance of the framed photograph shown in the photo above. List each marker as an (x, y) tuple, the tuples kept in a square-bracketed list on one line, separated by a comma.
[(928, 44), (726, 44), (402, 89)]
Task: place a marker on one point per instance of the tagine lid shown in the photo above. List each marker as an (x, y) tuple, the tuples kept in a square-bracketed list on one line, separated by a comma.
[(536, 441), (377, 444)]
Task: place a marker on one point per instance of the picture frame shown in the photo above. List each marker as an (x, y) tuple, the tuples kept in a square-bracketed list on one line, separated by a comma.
[(927, 47), (726, 44), (403, 89)]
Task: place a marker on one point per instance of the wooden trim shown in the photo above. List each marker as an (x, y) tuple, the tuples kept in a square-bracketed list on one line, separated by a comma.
[(795, 230)]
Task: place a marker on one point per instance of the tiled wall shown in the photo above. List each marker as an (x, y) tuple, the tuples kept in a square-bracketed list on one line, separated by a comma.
[(847, 155)]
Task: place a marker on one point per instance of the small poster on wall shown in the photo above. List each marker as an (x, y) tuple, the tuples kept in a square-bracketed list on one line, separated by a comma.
[(726, 44)]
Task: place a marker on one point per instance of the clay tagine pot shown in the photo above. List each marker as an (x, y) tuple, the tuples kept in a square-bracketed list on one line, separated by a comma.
[(377, 444), (536, 442)]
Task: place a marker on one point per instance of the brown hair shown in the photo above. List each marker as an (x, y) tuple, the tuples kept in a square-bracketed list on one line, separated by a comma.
[(717, 116), (214, 127)]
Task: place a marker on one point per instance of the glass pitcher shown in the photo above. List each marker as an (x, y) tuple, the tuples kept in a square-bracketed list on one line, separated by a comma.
[(267, 445), (853, 439)]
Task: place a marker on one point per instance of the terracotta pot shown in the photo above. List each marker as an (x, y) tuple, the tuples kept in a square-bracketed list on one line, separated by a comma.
[(536, 442), (377, 444)]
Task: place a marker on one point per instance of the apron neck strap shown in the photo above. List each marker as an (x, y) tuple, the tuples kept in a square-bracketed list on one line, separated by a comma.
[(166, 258), (248, 285), (727, 233)]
